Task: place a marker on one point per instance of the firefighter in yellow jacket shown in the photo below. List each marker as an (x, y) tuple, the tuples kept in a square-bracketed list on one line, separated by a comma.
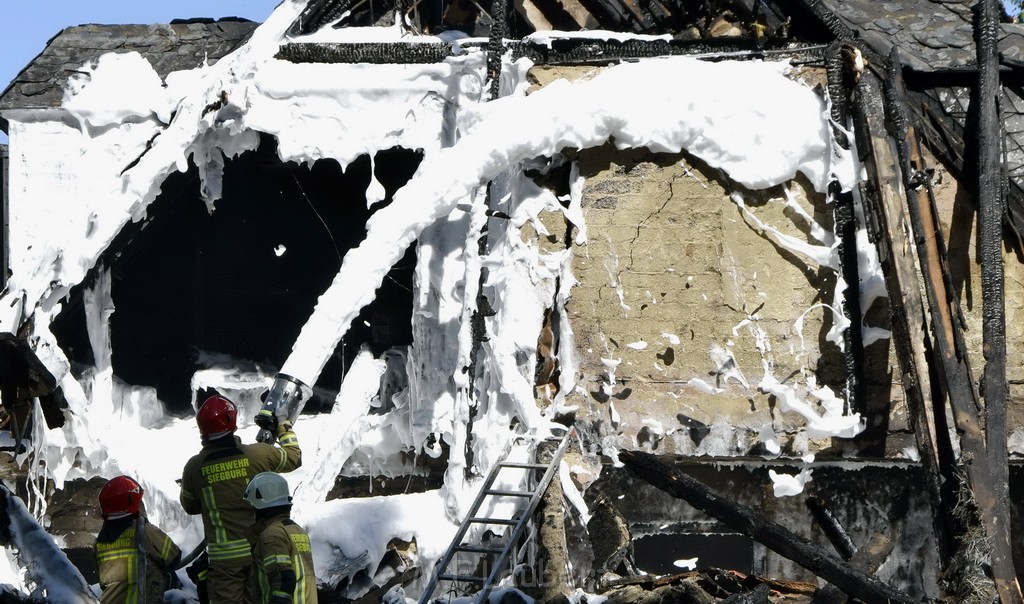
[(281, 556), (125, 537), (213, 483)]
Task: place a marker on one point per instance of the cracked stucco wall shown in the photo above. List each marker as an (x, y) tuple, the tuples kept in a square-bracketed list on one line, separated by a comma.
[(668, 281)]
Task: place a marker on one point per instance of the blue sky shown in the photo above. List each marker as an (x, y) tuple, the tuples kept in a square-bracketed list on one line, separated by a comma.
[(26, 26)]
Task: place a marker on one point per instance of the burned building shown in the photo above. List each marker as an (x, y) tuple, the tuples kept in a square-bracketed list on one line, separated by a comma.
[(767, 246)]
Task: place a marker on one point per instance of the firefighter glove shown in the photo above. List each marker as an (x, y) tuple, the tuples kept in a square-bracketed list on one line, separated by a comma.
[(267, 420), (283, 427)]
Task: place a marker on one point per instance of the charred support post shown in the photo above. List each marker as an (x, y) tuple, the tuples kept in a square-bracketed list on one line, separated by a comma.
[(991, 201), (5, 245), (495, 50), (496, 44), (763, 530), (846, 228)]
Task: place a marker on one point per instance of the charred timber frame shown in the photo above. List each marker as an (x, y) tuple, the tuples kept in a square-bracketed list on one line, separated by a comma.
[(954, 369), (991, 204), (867, 559), (887, 226), (763, 530)]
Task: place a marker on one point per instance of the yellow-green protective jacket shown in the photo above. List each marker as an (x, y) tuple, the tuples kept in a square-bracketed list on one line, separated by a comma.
[(215, 479), (283, 546), (117, 559)]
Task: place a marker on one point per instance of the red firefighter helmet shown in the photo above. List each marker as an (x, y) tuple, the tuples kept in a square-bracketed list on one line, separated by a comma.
[(217, 416), (120, 497)]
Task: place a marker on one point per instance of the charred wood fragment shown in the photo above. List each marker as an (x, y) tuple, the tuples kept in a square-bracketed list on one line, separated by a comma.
[(833, 530), (681, 590), (759, 595), (760, 528), (991, 201)]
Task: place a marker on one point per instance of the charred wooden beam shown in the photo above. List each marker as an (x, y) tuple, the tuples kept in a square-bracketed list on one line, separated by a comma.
[(372, 53), (991, 185), (565, 51), (760, 528), (866, 559), (584, 50), (834, 531), (23, 377)]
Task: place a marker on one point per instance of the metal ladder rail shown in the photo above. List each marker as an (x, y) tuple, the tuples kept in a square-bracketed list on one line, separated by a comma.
[(524, 519), (442, 566), (527, 515)]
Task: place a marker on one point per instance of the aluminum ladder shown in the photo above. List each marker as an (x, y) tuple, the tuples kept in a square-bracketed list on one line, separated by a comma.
[(519, 521)]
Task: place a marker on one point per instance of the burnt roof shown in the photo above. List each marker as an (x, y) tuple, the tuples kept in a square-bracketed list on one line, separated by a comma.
[(932, 35), (169, 47)]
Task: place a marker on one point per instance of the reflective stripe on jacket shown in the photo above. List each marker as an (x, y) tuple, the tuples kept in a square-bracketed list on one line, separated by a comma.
[(214, 480), (282, 545), (117, 560)]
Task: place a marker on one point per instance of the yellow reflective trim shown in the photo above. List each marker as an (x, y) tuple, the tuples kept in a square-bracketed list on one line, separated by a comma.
[(226, 550), (113, 555), (165, 551), (278, 559), (219, 534), (300, 579)]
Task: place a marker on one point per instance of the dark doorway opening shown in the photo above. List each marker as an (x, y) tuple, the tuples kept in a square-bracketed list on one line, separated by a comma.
[(243, 280)]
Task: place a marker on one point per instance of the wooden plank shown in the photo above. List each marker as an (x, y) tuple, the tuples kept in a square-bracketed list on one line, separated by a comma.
[(763, 530)]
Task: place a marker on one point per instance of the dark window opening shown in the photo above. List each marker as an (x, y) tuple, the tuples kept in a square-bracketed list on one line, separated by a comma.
[(657, 554), (243, 280)]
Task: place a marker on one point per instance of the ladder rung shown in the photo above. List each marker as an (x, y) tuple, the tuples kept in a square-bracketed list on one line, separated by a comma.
[(465, 578), (480, 549), (510, 493), (494, 521), (527, 466)]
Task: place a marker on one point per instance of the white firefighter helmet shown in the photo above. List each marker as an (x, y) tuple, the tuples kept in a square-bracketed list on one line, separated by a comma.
[(267, 490)]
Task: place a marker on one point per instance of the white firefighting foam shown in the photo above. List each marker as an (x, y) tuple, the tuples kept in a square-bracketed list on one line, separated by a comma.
[(342, 112)]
